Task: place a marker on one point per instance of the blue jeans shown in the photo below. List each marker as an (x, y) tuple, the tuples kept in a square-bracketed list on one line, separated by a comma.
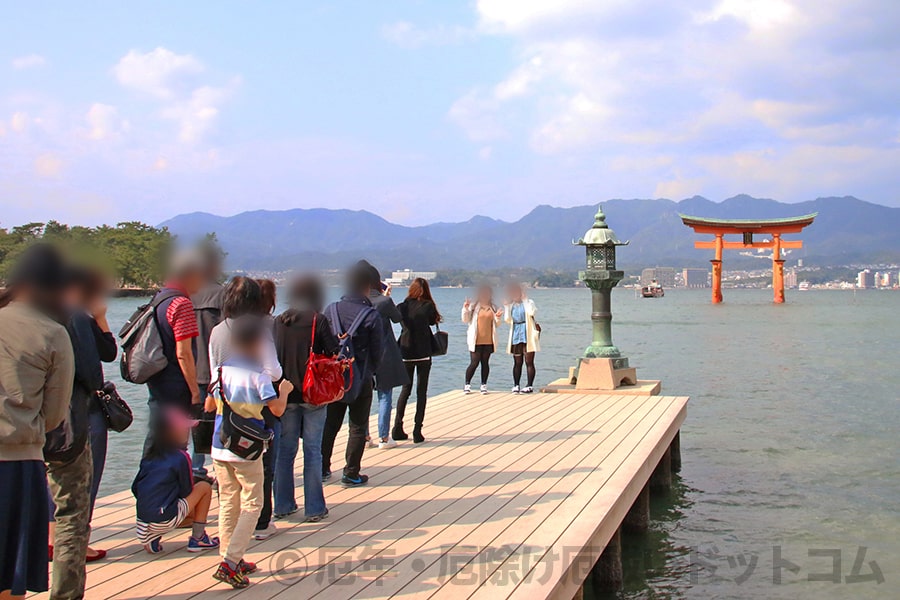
[(308, 422), (99, 441), (385, 404)]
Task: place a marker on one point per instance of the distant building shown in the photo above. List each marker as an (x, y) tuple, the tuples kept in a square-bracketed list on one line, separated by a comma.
[(406, 276), (790, 278), (695, 278), (887, 279), (865, 279), (665, 276)]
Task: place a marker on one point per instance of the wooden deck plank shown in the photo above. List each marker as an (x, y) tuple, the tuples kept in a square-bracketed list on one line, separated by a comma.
[(369, 504), (509, 527), (478, 471), (458, 421), (117, 531), (472, 506), (602, 493), (503, 481)]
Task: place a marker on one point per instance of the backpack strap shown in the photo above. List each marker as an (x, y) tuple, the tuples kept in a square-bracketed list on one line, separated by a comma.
[(163, 296), (155, 304), (358, 320), (335, 319), (225, 405)]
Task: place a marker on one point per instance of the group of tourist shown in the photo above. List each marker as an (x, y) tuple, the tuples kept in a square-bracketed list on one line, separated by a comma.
[(231, 390)]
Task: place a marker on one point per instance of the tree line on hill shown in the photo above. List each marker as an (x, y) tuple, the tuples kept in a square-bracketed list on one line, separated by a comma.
[(132, 253)]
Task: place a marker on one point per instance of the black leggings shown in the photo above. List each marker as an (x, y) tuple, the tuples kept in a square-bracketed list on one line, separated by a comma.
[(421, 369), (481, 356), (528, 359)]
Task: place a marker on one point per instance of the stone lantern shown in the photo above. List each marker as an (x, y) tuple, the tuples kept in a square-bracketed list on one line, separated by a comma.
[(601, 277), (602, 366)]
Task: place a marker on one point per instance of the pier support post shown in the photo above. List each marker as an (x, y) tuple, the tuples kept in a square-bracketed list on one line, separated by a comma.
[(661, 479), (675, 449), (638, 518), (607, 573)]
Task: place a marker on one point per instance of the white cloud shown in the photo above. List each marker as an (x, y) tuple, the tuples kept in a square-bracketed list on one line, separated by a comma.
[(197, 114), (758, 14), (19, 122), (48, 165), (409, 35), (174, 81), (160, 72), (104, 122), (687, 83), (29, 61)]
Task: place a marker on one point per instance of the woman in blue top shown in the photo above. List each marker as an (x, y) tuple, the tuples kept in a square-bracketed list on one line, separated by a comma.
[(524, 335), (164, 488)]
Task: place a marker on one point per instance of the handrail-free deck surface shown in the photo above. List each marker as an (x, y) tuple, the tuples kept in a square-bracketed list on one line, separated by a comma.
[(512, 496)]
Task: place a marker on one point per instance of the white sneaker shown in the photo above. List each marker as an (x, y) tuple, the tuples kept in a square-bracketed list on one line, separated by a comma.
[(467, 389), (516, 390), (387, 444), (264, 534), (484, 389), (371, 443), (528, 390)]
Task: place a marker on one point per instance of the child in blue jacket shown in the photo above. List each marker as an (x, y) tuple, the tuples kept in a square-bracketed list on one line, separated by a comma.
[(164, 488)]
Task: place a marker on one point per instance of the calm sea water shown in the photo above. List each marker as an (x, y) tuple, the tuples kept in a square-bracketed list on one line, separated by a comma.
[(790, 448)]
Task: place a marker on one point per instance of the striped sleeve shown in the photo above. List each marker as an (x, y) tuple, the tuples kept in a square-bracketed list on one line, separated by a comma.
[(180, 315)]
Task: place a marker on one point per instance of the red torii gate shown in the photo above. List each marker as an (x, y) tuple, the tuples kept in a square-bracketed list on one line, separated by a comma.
[(747, 228)]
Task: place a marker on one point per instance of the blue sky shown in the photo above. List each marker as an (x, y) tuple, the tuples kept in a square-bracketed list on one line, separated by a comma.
[(424, 111)]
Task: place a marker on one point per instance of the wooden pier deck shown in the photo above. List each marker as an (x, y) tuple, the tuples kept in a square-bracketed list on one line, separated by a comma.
[(512, 496)]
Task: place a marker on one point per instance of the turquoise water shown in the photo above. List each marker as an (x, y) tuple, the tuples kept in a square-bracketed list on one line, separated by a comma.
[(790, 444)]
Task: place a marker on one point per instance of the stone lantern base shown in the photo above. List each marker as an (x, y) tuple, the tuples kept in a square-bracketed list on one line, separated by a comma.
[(604, 375)]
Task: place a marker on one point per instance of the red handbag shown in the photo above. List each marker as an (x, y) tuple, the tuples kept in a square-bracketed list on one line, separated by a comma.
[(324, 379)]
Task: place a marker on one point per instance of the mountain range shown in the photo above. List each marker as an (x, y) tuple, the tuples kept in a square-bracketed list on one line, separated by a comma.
[(846, 230)]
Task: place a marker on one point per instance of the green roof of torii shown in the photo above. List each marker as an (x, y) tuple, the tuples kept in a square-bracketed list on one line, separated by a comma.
[(748, 223)]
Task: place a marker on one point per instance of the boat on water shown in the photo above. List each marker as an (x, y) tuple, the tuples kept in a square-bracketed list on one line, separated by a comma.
[(654, 290), (804, 286)]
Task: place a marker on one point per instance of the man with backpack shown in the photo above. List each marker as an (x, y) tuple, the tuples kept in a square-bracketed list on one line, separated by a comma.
[(359, 329), (175, 385)]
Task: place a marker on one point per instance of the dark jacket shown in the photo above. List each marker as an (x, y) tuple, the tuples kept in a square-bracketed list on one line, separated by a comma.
[(293, 333), (107, 351), (418, 318), (90, 346), (208, 310), (391, 372), (368, 343), (160, 482)]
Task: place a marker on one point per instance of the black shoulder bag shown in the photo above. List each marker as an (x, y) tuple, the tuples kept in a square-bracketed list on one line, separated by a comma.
[(117, 412), (240, 435)]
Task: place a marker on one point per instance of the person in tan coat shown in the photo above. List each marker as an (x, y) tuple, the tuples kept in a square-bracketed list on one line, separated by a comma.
[(37, 370)]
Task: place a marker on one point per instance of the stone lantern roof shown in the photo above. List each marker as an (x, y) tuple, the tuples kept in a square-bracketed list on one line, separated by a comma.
[(600, 234)]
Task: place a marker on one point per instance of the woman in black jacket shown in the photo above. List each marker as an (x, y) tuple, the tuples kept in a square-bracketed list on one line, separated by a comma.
[(419, 313), (293, 333)]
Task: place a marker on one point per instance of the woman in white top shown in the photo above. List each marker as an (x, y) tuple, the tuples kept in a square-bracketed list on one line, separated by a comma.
[(482, 317), (524, 335)]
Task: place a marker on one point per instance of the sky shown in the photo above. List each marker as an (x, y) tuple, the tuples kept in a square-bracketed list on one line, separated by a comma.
[(438, 111)]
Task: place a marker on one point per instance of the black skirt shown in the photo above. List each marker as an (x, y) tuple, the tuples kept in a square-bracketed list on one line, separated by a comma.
[(24, 563)]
